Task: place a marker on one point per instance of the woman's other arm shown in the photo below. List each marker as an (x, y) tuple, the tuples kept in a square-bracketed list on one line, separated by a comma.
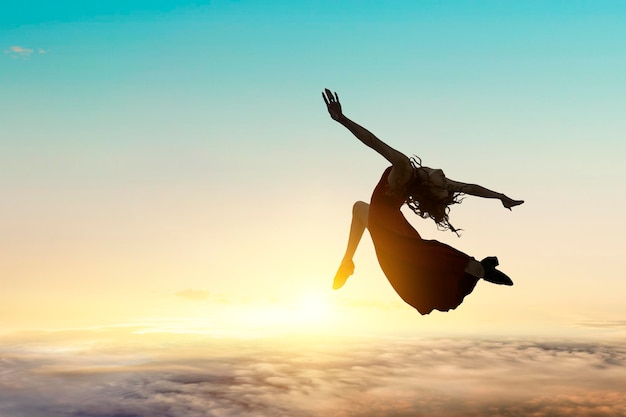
[(480, 191)]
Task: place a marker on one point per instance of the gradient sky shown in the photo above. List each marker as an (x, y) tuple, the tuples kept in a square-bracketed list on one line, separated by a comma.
[(174, 161)]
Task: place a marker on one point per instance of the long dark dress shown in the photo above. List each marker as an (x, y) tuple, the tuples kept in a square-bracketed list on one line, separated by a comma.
[(427, 274)]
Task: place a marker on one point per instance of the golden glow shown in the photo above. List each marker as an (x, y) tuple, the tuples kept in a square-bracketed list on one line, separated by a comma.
[(306, 311)]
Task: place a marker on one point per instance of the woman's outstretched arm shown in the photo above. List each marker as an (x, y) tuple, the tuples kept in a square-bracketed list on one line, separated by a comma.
[(480, 191), (402, 170)]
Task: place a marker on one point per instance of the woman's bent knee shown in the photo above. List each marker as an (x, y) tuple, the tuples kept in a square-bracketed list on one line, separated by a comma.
[(360, 210)]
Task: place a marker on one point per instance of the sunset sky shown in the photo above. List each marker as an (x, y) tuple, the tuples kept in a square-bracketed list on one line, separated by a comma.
[(169, 171)]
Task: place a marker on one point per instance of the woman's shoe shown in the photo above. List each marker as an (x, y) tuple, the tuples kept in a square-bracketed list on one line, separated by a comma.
[(490, 262), (492, 274)]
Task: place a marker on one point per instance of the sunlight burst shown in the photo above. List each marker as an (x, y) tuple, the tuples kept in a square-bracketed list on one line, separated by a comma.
[(307, 311)]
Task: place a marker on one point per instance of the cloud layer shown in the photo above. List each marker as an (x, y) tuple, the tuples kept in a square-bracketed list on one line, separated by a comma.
[(344, 378)]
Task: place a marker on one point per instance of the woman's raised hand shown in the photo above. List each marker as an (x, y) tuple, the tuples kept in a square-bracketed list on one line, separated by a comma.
[(508, 202), (332, 103)]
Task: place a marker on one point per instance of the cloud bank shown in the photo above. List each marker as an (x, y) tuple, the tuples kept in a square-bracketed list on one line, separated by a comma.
[(343, 378)]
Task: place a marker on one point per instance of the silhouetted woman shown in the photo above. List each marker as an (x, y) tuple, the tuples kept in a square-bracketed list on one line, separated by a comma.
[(427, 274)]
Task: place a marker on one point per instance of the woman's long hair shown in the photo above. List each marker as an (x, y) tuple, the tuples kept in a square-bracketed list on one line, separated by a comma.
[(423, 200)]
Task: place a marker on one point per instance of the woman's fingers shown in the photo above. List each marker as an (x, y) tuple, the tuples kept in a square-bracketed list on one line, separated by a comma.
[(329, 94), (332, 102)]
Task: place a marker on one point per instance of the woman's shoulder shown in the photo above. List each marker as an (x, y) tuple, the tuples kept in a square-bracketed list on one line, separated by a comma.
[(433, 176)]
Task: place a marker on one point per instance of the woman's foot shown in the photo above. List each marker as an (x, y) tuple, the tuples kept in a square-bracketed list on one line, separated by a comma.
[(345, 270), (492, 274)]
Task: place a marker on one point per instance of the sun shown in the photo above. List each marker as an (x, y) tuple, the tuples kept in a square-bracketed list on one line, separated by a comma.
[(314, 307), (305, 311)]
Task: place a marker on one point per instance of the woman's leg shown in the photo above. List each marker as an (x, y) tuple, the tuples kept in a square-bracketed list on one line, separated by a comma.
[(475, 268), (360, 212)]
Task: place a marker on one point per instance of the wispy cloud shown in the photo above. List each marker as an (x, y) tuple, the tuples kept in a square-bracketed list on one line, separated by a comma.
[(338, 377), (605, 324), (191, 294), (17, 51)]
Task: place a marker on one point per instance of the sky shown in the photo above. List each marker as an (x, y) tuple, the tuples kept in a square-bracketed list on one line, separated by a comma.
[(169, 168)]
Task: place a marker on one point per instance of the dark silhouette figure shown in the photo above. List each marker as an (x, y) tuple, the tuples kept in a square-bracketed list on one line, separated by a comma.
[(427, 274)]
